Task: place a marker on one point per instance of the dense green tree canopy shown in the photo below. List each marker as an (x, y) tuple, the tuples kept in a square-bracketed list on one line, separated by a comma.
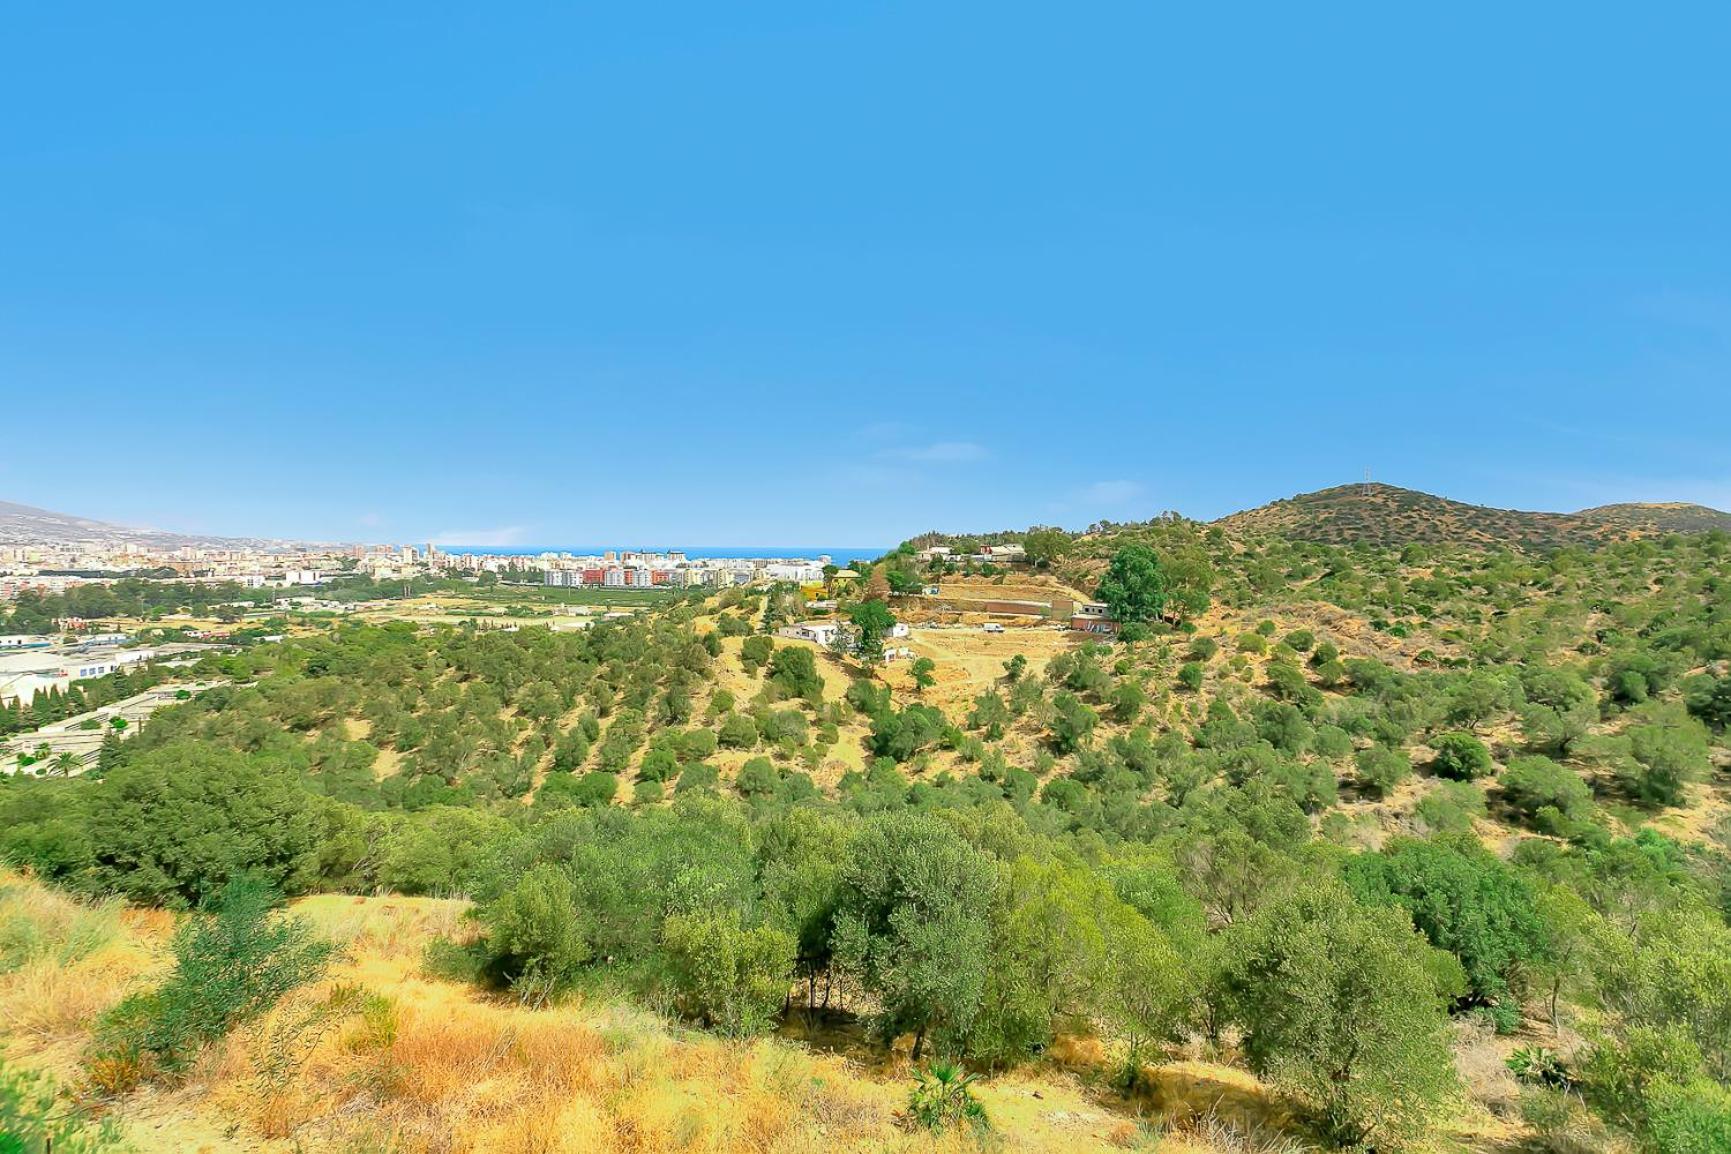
[(1134, 587)]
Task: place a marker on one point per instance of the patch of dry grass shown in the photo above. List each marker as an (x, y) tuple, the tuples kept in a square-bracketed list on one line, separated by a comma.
[(390, 927), (39, 923), (380, 1057), (63, 963)]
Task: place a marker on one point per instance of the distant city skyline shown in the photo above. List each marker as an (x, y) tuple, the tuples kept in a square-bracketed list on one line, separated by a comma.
[(804, 273)]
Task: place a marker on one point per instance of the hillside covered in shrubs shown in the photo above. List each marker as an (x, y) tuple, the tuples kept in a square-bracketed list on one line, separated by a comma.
[(1429, 843)]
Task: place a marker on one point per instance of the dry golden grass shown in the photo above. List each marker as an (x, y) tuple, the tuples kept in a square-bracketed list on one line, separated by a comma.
[(392, 927), (43, 1003), (379, 1056), (63, 962)]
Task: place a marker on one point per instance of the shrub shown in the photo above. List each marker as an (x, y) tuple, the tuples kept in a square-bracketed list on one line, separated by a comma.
[(1381, 769), (755, 652), (1465, 900), (757, 778), (697, 745), (1530, 784), (535, 930), (1190, 676), (738, 731), (1460, 756), (697, 777), (1287, 682), (901, 735), (794, 671), (1202, 648), (440, 849), (1665, 759), (1126, 699), (783, 725), (1332, 742), (1452, 807), (232, 961), (1619, 1076), (32, 1119), (1072, 723), (1710, 700), (726, 975), (596, 787), (658, 765), (1330, 674), (1689, 1119)]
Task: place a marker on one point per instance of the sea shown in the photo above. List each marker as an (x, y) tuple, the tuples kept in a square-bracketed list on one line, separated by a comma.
[(843, 555)]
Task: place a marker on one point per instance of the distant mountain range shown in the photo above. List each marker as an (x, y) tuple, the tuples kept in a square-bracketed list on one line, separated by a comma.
[(26, 525), (1387, 515)]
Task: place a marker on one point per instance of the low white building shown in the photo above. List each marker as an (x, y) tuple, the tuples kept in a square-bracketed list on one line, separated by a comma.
[(22, 675), (820, 632)]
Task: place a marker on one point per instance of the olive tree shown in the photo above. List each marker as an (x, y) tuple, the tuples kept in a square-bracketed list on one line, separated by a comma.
[(912, 925), (1339, 1007)]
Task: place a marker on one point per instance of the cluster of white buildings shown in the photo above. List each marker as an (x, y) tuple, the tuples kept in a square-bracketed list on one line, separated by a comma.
[(55, 568), (825, 633), (59, 567), (637, 570), (993, 554)]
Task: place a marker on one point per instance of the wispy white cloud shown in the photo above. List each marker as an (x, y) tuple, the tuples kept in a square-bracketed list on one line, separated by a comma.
[(1110, 492), (940, 452), (504, 535), (370, 520)]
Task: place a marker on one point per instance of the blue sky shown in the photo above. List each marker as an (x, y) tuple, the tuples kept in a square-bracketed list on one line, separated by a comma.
[(836, 274)]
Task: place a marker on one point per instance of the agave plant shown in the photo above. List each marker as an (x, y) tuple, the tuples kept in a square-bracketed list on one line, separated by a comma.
[(1538, 1066), (943, 1097)]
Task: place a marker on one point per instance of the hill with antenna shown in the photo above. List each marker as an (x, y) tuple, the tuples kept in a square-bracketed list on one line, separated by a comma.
[(1379, 514)]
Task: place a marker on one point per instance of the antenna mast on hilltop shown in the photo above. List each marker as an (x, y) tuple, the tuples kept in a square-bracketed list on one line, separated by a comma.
[(1366, 489)]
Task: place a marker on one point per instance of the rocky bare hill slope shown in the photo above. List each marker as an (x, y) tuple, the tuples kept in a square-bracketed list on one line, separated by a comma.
[(1388, 515)]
